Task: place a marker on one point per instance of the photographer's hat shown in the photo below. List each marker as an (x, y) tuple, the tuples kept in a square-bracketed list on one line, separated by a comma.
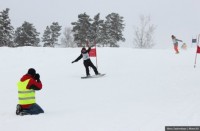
[(31, 71)]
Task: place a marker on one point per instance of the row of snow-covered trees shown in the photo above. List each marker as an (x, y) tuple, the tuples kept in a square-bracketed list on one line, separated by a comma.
[(26, 35), (85, 30)]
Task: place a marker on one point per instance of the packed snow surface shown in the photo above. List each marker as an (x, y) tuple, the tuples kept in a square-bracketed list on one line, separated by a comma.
[(143, 90)]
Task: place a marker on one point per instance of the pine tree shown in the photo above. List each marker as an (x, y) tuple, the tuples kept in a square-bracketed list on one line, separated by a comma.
[(115, 26), (95, 29), (81, 29), (51, 34), (104, 37), (55, 29), (6, 29), (26, 35), (47, 38), (107, 33)]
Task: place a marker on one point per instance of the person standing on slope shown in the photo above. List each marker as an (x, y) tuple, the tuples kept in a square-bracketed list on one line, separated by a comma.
[(86, 61), (175, 42), (27, 86)]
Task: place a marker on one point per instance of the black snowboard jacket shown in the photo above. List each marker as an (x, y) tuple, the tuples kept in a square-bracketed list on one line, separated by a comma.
[(81, 55)]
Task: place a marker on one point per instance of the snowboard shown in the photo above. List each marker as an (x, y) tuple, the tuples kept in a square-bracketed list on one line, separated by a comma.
[(93, 76)]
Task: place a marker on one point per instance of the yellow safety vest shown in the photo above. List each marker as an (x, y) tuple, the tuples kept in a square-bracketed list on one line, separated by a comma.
[(25, 96)]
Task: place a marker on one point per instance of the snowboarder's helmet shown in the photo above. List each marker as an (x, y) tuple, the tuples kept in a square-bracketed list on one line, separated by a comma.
[(83, 50), (31, 71)]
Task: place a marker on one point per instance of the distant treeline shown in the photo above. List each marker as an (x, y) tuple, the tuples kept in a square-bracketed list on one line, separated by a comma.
[(84, 32)]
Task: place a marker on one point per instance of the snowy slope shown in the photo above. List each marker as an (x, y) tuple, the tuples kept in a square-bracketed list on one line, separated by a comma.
[(144, 90)]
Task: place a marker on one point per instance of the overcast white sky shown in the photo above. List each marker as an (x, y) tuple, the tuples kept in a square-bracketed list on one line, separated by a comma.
[(178, 17)]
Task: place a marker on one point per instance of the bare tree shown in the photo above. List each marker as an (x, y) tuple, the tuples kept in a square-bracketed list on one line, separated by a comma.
[(67, 40), (143, 35)]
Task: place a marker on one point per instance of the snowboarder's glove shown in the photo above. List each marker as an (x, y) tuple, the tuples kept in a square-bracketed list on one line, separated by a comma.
[(37, 77), (73, 61)]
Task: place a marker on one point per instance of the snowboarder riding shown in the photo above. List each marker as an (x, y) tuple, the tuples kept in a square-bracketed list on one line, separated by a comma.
[(86, 61)]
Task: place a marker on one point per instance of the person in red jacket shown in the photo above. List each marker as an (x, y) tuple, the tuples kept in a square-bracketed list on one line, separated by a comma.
[(28, 84)]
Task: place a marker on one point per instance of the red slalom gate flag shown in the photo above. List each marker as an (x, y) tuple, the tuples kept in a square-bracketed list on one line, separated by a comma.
[(93, 53), (198, 49)]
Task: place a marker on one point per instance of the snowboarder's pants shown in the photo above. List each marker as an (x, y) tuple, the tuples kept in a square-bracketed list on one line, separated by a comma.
[(176, 47), (88, 63), (34, 109)]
